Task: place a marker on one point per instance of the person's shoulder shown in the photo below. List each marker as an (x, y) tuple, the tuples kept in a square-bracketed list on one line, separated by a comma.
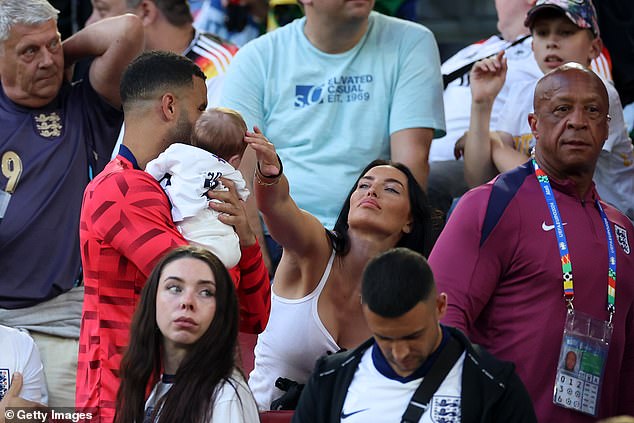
[(234, 386), (491, 367), (184, 151), (488, 202), (472, 51), (120, 175), (253, 58), (114, 166), (506, 186), (234, 401), (330, 364), (72, 95), (278, 38), (492, 385), (398, 26), (82, 97), (7, 332), (619, 218), (613, 95), (16, 338), (472, 206), (209, 38), (477, 194), (392, 21), (512, 180)]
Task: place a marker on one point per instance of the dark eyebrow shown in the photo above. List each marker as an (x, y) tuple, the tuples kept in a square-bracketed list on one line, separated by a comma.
[(395, 181), (372, 178), (200, 282)]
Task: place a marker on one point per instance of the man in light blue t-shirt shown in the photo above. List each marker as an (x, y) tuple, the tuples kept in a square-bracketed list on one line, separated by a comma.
[(333, 91)]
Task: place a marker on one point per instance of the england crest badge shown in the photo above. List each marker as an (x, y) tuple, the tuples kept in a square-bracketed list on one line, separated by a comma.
[(48, 125), (4, 382), (445, 409), (621, 238)]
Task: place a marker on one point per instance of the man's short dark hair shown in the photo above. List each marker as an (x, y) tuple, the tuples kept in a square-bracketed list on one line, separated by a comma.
[(156, 71), (395, 281)]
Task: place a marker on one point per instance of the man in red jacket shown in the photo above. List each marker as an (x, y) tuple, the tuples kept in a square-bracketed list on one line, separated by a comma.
[(126, 224)]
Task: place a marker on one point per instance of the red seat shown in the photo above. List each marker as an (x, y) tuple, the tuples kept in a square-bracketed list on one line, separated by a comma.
[(276, 416), (247, 342)]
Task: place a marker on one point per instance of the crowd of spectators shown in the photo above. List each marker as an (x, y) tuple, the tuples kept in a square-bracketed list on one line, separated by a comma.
[(175, 178)]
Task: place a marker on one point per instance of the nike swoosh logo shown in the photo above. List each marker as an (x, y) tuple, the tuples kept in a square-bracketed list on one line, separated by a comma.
[(547, 228), (345, 416)]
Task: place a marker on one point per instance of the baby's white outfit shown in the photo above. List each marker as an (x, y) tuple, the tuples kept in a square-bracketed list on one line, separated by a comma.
[(186, 173)]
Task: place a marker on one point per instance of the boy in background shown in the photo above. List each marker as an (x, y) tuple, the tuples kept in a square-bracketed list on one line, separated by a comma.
[(563, 31)]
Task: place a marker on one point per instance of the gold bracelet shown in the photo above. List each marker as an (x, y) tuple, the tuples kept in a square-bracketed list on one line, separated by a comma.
[(276, 180)]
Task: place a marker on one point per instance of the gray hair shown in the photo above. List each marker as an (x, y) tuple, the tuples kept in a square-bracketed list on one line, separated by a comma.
[(26, 12)]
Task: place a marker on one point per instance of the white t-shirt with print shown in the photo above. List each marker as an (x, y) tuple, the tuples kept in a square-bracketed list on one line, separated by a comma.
[(20, 354)]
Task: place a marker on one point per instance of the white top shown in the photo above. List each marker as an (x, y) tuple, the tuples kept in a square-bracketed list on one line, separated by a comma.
[(293, 340), (614, 174), (186, 173), (20, 354), (233, 404), (522, 68), (457, 95), (374, 397)]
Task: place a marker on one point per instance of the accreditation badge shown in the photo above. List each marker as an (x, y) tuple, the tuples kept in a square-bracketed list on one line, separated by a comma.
[(581, 366)]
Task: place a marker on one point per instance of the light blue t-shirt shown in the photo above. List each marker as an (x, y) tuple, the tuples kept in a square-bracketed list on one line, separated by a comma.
[(329, 115)]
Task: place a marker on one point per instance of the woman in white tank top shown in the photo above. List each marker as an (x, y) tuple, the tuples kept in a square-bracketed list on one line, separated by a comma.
[(315, 307)]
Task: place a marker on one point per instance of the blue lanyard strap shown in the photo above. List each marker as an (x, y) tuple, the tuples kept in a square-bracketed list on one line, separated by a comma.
[(566, 264)]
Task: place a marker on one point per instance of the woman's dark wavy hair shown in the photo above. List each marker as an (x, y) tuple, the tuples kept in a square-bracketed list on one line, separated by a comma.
[(419, 239), (209, 362)]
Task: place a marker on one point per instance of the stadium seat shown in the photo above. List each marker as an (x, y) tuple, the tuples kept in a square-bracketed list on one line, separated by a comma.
[(276, 416)]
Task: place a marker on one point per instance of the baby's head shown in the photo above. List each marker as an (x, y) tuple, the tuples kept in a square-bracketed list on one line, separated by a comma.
[(564, 31), (221, 131)]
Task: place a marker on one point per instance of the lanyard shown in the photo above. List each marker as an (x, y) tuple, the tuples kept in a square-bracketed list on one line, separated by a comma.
[(566, 265)]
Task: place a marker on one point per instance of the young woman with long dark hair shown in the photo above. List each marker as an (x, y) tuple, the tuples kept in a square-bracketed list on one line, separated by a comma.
[(316, 306), (185, 329)]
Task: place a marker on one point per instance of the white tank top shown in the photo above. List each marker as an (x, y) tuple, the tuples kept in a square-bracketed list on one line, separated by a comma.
[(290, 345)]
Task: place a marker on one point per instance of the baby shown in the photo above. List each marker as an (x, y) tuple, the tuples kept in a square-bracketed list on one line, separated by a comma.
[(186, 172)]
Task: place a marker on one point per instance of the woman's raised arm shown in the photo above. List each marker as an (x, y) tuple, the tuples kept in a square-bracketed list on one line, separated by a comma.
[(299, 232)]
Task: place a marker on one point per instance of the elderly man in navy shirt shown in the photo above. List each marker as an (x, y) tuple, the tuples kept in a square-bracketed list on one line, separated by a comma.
[(53, 135)]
